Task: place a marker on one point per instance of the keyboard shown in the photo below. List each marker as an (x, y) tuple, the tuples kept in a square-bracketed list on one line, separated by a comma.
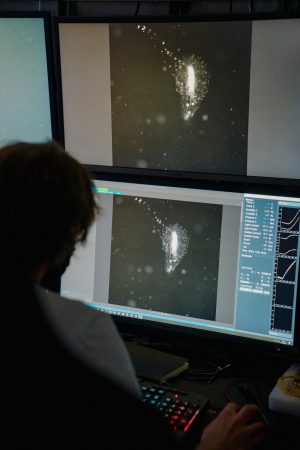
[(183, 411)]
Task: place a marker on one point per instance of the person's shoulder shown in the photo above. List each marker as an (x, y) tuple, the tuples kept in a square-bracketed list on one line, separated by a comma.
[(92, 335), (46, 296), (71, 315), (55, 304)]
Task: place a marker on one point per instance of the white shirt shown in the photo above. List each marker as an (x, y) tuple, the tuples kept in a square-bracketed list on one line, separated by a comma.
[(92, 336)]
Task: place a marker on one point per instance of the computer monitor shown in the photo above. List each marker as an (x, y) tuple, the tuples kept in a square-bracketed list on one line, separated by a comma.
[(205, 95), (218, 262), (26, 78)]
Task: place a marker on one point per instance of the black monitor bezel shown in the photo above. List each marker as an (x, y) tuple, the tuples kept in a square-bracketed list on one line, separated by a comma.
[(167, 332), (178, 18), (46, 16)]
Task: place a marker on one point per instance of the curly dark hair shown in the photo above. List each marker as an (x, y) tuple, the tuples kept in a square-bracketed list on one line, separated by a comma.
[(46, 201)]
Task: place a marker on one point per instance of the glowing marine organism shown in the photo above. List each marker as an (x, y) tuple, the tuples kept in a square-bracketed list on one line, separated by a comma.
[(175, 242), (192, 81), (174, 237), (190, 73)]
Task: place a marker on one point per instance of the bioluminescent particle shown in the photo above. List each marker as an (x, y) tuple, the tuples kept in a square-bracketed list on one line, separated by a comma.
[(175, 242), (192, 81)]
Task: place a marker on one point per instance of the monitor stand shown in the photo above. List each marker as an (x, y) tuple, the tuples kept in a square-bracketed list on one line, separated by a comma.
[(154, 364)]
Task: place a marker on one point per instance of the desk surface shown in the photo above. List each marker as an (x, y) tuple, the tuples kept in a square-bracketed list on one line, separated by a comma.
[(261, 372)]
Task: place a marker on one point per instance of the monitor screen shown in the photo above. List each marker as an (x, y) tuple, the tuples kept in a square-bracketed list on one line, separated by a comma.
[(205, 96), (209, 260), (25, 107)]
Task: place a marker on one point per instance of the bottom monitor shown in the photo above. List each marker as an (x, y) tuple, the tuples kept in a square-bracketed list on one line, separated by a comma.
[(224, 262)]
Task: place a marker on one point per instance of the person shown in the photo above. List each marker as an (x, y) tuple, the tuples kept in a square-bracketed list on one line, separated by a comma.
[(72, 377), (50, 196)]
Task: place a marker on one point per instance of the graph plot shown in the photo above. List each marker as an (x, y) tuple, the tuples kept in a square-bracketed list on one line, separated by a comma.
[(286, 269), (288, 245), (290, 220)]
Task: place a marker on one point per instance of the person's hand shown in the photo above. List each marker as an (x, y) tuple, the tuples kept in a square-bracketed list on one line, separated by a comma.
[(235, 428)]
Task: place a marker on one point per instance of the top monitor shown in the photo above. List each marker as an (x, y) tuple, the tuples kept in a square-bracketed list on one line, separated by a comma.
[(26, 102), (215, 96)]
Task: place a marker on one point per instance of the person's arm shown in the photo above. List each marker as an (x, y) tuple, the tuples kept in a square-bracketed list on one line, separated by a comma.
[(235, 428)]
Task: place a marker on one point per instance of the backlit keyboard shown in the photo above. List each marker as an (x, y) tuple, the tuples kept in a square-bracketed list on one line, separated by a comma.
[(181, 410)]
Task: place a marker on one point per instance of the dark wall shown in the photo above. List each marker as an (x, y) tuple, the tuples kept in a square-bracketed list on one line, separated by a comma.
[(152, 8)]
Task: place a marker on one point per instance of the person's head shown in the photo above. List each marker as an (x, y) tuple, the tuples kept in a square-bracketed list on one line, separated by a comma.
[(46, 202)]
